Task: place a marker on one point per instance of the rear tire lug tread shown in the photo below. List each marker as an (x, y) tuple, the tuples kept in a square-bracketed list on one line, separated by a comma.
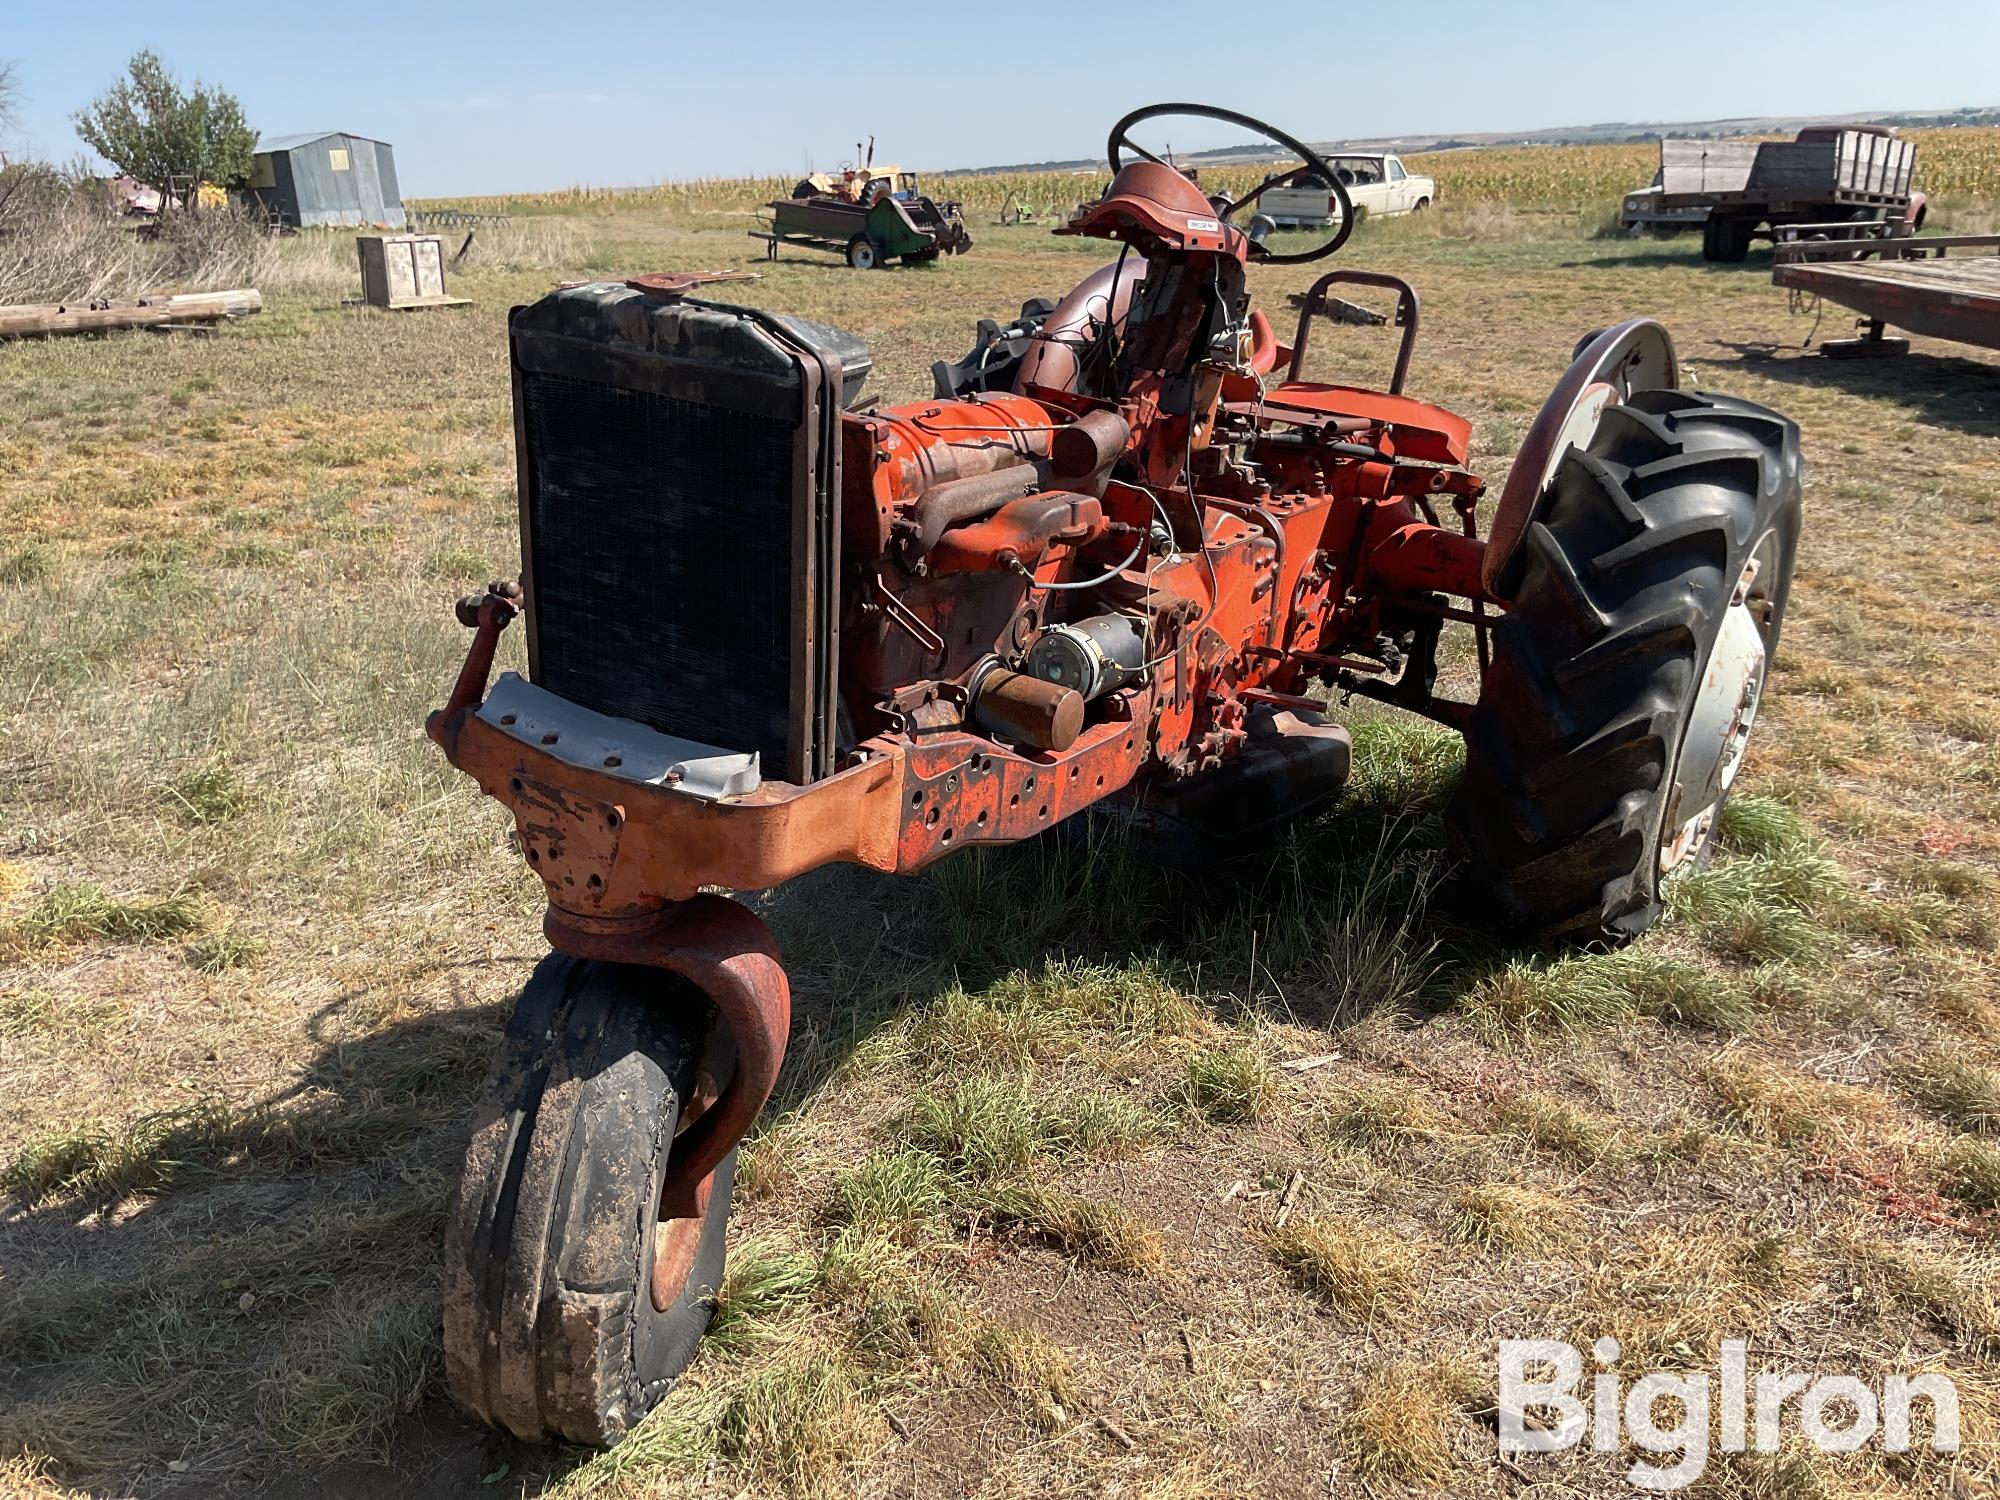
[(1569, 752)]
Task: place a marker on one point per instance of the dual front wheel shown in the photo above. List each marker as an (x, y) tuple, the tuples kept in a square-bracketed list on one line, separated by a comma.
[(570, 1305)]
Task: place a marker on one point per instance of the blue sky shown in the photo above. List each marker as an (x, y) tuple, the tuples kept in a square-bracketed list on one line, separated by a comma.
[(482, 98)]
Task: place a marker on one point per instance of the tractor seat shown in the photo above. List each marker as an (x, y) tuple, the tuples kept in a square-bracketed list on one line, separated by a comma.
[(1147, 200)]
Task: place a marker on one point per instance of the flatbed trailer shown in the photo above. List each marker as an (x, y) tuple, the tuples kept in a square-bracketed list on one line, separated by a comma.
[(1913, 283)]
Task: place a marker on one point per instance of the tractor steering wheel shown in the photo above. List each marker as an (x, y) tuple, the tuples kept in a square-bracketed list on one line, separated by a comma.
[(1121, 137)]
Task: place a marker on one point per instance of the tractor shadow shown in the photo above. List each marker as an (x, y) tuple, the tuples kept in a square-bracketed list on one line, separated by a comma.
[(1943, 390), (1320, 925), (244, 1281), (1323, 924)]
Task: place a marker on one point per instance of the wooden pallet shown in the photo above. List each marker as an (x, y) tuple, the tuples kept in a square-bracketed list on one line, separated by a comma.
[(418, 304)]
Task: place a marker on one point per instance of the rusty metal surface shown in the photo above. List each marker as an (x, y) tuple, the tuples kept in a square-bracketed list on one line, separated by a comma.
[(680, 283), (1152, 203), (1419, 557), (1418, 429), (1017, 535), (1027, 710), (1090, 444), (726, 952)]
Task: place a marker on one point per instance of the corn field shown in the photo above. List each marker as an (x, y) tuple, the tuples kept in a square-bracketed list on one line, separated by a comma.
[(1960, 164)]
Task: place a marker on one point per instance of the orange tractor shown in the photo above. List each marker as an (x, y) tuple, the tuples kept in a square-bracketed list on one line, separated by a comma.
[(769, 628)]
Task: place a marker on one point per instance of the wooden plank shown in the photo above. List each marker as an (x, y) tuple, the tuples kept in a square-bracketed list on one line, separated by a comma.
[(1695, 167), (151, 312), (1795, 167), (1967, 278)]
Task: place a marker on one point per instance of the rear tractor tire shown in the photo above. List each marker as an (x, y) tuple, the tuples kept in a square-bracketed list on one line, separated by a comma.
[(556, 1259), (1647, 596)]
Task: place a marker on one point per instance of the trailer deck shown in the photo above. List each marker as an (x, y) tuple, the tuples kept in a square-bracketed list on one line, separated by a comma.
[(1915, 284)]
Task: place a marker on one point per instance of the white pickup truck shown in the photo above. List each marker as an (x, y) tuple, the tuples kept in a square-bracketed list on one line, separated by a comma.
[(1376, 185)]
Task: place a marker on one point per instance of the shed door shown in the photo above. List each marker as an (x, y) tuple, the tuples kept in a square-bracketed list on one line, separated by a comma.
[(343, 182), (367, 184)]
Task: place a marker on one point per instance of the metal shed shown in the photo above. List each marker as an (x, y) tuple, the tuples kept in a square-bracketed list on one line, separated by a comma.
[(326, 178)]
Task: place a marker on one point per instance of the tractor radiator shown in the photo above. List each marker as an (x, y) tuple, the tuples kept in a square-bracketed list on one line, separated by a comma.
[(679, 481)]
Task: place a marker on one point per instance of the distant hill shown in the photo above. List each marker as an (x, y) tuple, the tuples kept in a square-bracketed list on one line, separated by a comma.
[(1616, 133)]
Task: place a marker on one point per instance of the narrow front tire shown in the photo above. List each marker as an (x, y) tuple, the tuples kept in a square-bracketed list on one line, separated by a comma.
[(570, 1306)]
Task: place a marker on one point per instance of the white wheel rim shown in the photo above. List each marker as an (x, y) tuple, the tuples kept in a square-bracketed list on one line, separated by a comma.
[(1724, 712)]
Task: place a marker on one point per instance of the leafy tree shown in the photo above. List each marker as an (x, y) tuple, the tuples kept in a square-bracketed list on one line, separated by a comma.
[(150, 128)]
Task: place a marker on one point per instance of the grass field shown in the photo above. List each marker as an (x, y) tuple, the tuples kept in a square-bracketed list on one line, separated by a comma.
[(1014, 1224)]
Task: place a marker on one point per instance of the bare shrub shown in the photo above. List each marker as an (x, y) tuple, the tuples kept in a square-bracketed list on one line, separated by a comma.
[(62, 240), (213, 250), (59, 241)]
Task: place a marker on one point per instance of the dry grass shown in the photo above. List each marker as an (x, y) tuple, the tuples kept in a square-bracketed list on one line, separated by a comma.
[(1030, 1366), (1401, 1424), (1959, 1089), (1971, 1170), (1089, 1229), (1669, 1294), (1504, 1217), (802, 1425), (1774, 1104), (1553, 1124), (1366, 1271), (62, 241), (257, 942), (1229, 1087)]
